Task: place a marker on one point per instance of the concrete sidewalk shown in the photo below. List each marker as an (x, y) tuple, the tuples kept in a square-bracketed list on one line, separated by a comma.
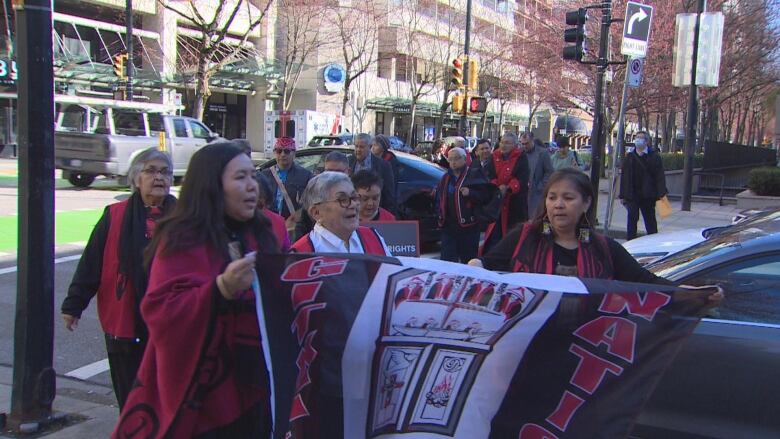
[(92, 404)]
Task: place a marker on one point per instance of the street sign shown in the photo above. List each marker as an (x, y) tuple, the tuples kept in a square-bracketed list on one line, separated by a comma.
[(636, 29), (635, 67), (709, 54)]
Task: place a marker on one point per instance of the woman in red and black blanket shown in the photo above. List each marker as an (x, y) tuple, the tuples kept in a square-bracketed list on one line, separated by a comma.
[(203, 374), (112, 267)]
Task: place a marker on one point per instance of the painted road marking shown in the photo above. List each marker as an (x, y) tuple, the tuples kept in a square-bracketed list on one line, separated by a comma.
[(89, 370), (56, 261)]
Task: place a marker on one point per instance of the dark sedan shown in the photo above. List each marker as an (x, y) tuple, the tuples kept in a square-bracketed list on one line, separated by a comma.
[(417, 180), (725, 382)]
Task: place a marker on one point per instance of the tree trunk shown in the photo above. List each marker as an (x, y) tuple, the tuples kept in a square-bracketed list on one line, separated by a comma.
[(411, 125), (501, 118), (345, 98), (442, 113), (202, 92)]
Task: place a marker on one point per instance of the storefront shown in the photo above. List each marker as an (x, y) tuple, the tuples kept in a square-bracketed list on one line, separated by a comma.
[(226, 115)]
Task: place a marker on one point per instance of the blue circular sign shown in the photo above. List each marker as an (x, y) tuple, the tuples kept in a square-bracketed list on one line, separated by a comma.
[(334, 73)]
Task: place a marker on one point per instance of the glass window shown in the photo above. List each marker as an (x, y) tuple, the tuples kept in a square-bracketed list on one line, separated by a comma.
[(288, 130), (199, 131), (129, 123), (180, 127), (752, 289), (155, 123)]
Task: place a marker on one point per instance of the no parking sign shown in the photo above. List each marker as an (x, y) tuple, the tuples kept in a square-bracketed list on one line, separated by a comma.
[(635, 67)]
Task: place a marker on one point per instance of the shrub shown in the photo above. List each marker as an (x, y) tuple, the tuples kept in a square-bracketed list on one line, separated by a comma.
[(674, 161), (765, 181)]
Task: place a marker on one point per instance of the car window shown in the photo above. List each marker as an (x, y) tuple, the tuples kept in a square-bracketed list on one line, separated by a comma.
[(180, 127), (199, 131), (751, 287)]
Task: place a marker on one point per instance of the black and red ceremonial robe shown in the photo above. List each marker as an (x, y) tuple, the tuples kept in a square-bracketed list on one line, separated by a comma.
[(361, 347)]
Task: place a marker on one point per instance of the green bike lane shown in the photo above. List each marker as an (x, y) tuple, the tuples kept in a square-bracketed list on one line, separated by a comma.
[(70, 227)]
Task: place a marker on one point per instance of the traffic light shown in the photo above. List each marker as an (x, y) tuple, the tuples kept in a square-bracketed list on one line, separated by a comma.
[(473, 74), (457, 73), (457, 103), (575, 35), (477, 104), (119, 65)]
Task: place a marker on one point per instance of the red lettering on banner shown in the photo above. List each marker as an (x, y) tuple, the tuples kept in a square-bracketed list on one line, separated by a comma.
[(298, 409), (618, 333), (314, 268), (305, 358), (645, 307), (566, 407), (533, 431), (591, 369), (300, 326), (304, 293)]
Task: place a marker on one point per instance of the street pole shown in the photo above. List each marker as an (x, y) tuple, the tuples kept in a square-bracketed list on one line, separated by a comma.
[(693, 113), (33, 376), (129, 44), (464, 123), (617, 153), (598, 118)]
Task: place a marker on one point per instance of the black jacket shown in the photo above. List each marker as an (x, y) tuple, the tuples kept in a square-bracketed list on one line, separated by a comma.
[(456, 209), (642, 177), (297, 178), (383, 169)]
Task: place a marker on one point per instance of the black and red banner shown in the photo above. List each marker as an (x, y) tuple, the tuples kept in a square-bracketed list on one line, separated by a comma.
[(360, 346)]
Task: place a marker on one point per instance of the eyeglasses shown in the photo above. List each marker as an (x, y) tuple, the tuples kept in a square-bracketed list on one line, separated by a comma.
[(284, 151), (344, 201), (165, 172)]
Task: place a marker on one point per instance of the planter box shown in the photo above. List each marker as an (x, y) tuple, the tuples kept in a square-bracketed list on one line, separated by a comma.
[(748, 200), (675, 182)]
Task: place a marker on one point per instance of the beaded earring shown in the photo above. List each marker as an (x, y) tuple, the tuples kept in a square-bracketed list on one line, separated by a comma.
[(584, 232), (546, 228)]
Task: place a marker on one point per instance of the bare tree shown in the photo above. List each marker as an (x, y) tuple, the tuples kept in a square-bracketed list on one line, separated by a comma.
[(209, 50), (302, 32)]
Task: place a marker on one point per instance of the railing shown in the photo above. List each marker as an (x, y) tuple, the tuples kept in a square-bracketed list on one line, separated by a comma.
[(714, 174)]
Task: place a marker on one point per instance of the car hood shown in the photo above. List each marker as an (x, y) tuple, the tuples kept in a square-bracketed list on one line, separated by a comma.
[(667, 242)]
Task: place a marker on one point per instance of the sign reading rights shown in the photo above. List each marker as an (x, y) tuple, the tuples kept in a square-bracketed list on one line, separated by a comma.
[(401, 237)]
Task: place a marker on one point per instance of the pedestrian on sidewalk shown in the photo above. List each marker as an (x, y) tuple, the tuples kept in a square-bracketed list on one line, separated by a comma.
[(565, 157), (203, 373), (509, 171), (460, 195), (111, 267), (642, 183), (539, 169)]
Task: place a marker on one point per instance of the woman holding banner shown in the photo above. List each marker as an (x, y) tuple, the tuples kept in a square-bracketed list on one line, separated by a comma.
[(561, 241), (203, 373), (331, 200)]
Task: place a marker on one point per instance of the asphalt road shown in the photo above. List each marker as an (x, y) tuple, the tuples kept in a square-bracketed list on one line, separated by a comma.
[(72, 350)]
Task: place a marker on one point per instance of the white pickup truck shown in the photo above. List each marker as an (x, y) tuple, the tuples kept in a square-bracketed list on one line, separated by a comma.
[(91, 141)]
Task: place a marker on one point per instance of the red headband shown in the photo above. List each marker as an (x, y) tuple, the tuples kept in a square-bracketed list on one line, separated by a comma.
[(285, 143)]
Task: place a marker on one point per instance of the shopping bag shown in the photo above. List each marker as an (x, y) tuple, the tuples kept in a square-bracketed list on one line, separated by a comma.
[(663, 207)]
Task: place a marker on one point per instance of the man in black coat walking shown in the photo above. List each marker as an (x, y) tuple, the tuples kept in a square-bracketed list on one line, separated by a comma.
[(363, 159), (642, 184)]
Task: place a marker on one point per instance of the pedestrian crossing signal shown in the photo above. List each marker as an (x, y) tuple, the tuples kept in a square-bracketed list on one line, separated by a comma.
[(119, 65), (477, 104)]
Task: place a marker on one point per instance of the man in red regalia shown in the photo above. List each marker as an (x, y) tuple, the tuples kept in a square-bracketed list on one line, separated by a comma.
[(508, 169)]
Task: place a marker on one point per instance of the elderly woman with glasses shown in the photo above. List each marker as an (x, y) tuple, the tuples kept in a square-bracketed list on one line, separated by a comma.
[(111, 267), (331, 200)]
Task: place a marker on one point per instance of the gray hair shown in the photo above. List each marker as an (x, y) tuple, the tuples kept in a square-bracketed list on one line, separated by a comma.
[(366, 137), (319, 187), (458, 150), (142, 159), (336, 156), (512, 137)]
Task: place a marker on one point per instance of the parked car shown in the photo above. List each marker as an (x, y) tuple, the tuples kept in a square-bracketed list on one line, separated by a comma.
[(724, 382), (338, 139), (651, 248), (105, 142), (417, 180)]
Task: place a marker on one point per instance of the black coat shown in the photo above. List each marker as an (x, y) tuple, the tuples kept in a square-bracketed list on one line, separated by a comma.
[(383, 169), (448, 206), (642, 177), (297, 178)]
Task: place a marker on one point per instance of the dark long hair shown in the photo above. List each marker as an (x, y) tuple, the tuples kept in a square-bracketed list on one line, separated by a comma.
[(581, 183), (199, 215)]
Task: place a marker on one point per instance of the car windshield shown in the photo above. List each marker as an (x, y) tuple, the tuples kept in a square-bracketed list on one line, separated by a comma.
[(718, 244)]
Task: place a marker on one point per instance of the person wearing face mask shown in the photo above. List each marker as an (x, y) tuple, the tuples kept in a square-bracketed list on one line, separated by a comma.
[(111, 267), (331, 200), (642, 183), (203, 373)]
